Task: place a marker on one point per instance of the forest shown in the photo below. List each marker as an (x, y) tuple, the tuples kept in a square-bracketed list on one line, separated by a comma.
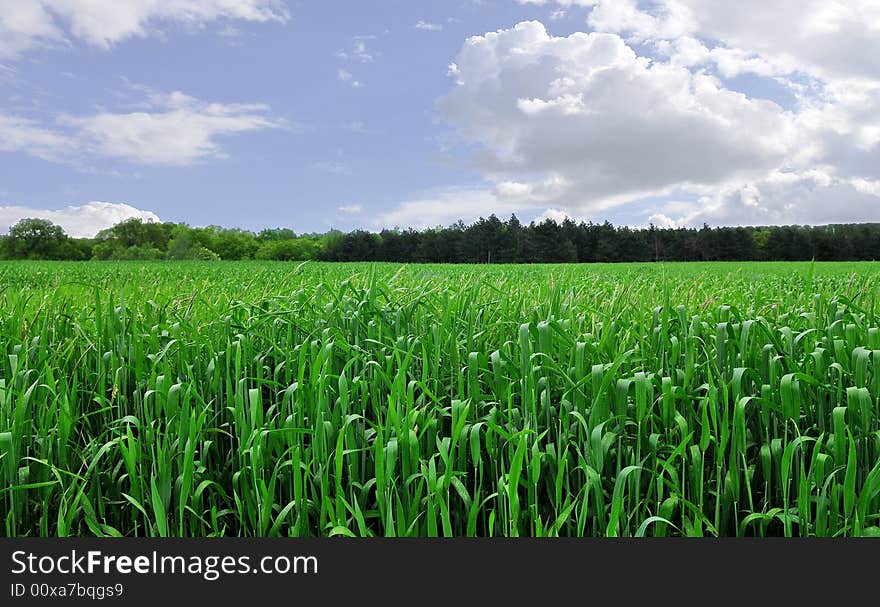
[(487, 240)]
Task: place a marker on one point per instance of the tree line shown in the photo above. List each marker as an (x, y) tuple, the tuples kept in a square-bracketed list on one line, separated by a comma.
[(487, 240)]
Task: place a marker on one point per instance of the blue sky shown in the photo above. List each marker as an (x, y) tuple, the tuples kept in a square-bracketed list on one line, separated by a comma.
[(312, 114)]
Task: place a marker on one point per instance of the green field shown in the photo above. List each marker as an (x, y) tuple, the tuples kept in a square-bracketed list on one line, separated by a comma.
[(273, 399)]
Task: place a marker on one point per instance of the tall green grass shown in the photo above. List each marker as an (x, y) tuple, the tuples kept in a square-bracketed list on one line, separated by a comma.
[(261, 399)]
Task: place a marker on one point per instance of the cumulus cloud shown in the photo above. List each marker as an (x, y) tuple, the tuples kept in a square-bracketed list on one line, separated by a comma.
[(827, 38), (783, 198), (78, 221), (557, 215), (585, 122), (586, 114), (172, 129), (844, 127), (662, 221), (103, 23)]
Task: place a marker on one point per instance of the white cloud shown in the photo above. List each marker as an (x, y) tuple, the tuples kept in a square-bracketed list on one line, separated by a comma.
[(844, 127), (19, 134), (7, 73), (172, 129), (547, 190), (662, 221), (513, 189), (617, 128), (359, 50), (783, 198), (80, 221), (566, 3), (557, 215), (826, 38), (175, 129), (445, 206), (350, 209), (601, 123), (866, 186), (428, 27), (26, 24), (348, 78), (685, 51)]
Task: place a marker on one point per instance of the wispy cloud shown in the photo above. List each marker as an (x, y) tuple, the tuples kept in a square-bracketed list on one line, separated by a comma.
[(359, 50), (348, 78), (350, 209), (172, 129), (428, 27), (29, 24), (19, 134)]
